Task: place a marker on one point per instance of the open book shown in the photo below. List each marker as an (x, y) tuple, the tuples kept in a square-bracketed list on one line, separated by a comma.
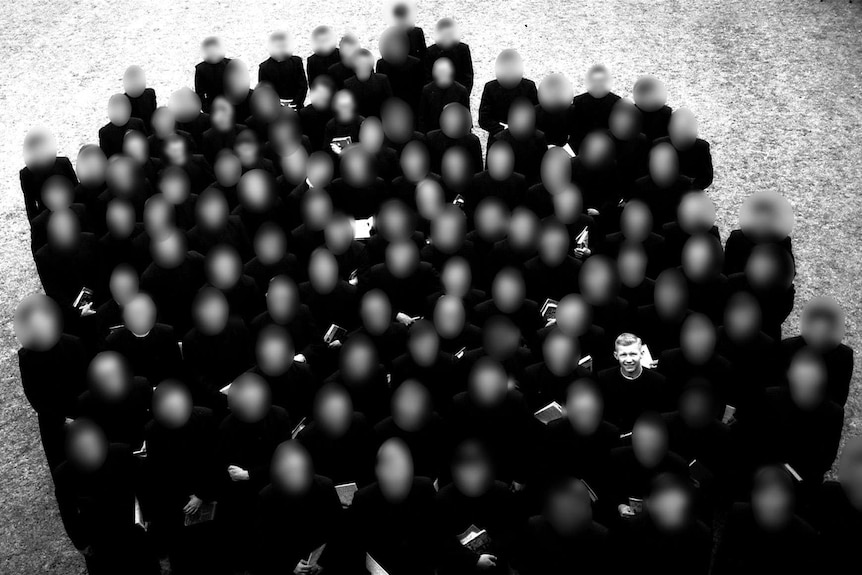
[(342, 142), (335, 332), (373, 567), (549, 309), (226, 389), (728, 415), (586, 362), (549, 413), (792, 472), (583, 238), (593, 496), (362, 228), (205, 513), (345, 492), (476, 540), (637, 505), (139, 515), (646, 358), (314, 556), (299, 427)]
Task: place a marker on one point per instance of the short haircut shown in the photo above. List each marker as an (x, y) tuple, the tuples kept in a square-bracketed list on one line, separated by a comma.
[(321, 30), (445, 23), (323, 81), (210, 41), (625, 339), (597, 69)]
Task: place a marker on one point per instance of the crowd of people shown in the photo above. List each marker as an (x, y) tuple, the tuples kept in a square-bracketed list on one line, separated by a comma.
[(310, 326)]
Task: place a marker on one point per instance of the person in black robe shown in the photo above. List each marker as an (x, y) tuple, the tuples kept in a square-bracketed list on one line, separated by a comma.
[(822, 329), (324, 55), (400, 501), (768, 276), (332, 301), (364, 377), (41, 162), (701, 268), (553, 112), (215, 226), (629, 389), (173, 279), (121, 121), (591, 110), (58, 194), (216, 350), (650, 96), (98, 490), (388, 335), (564, 538), (765, 535), (181, 474), (247, 440), (666, 537), (442, 90), (499, 180), (283, 70), (406, 73), (426, 363), (345, 123), (116, 401), (474, 501), (176, 153), (553, 273), (528, 143), (663, 189), (422, 429), (837, 512), (340, 441), (449, 313), (454, 132), (449, 45), (659, 324), (123, 287), (223, 131), (549, 380), (308, 540), (342, 70), (316, 116), (142, 99), (403, 16), (369, 89), (695, 158), (406, 280), (498, 94), (150, 348), (53, 369), (209, 74)]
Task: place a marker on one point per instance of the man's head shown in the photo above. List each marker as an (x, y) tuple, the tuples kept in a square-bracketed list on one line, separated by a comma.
[(628, 350)]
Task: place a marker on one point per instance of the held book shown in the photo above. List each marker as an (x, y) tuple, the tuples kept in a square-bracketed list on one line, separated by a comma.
[(549, 413), (345, 492), (205, 513)]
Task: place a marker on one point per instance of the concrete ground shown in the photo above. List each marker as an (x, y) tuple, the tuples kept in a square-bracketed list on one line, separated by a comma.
[(775, 84)]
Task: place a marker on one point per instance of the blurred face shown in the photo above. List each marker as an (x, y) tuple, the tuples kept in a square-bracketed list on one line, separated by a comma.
[(568, 510), (397, 120), (323, 272), (222, 115), (649, 442), (270, 244), (371, 135), (91, 166), (584, 409), (822, 323), (279, 45), (38, 323), (109, 377), (356, 167), (682, 129), (508, 291), (663, 165), (456, 277), (394, 46), (213, 52), (598, 83), (248, 398), (228, 170), (136, 146), (316, 209), (632, 265), (282, 299), (556, 170), (139, 315), (255, 192), (766, 216), (598, 280), (411, 405), (449, 316), (742, 317), (696, 407), (376, 312), (163, 121), (522, 119), (185, 104), (423, 345), (443, 72), (223, 267), (323, 41), (338, 235), (671, 297), (850, 471), (597, 151), (523, 230), (509, 69), (358, 360), (134, 81), (124, 284), (363, 66), (447, 34), (175, 186), (455, 120), (636, 221), (807, 378), (573, 315), (488, 384), (501, 161), (402, 258), (568, 204), (40, 149), (63, 230), (87, 447), (649, 94), (472, 474), (334, 411), (119, 110), (394, 470), (697, 339), (211, 312), (670, 508), (624, 121), (237, 81), (274, 351), (560, 353), (554, 245), (699, 258), (447, 231), (491, 219), (212, 210), (57, 193), (696, 213), (555, 93), (772, 505), (292, 469), (172, 405)]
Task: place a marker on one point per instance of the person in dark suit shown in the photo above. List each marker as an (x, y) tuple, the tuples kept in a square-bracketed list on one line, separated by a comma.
[(553, 112), (499, 94), (209, 74), (120, 121), (342, 70), (591, 110), (223, 131), (650, 96), (442, 90), (406, 73), (369, 89), (40, 163), (448, 45), (695, 159), (283, 70), (324, 53), (404, 16), (143, 99), (315, 117), (528, 143)]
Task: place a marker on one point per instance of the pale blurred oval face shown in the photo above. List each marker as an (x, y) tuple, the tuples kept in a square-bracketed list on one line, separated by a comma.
[(172, 405), (270, 244), (319, 169), (491, 219), (91, 166), (456, 276), (509, 69), (598, 83), (555, 92), (394, 45), (568, 509), (334, 411), (500, 338), (501, 161), (649, 94), (40, 149), (316, 209), (122, 177), (371, 134), (597, 151), (574, 315), (136, 146), (57, 193), (185, 104), (632, 265), (38, 323), (274, 351), (323, 271), (443, 72), (423, 346), (223, 267), (139, 315), (63, 230), (766, 216), (671, 293), (556, 170), (625, 120), (119, 110), (554, 245), (560, 353), (292, 469), (237, 81), (134, 81), (249, 398), (523, 230), (455, 121), (338, 235), (488, 383), (376, 312), (822, 324), (228, 170), (449, 316), (211, 210), (636, 221), (397, 120), (430, 199), (222, 114), (163, 121), (807, 378), (255, 191), (356, 167), (358, 360), (415, 161), (402, 258), (772, 506), (699, 258), (584, 409), (742, 317), (411, 405), (211, 312), (508, 290), (670, 508), (394, 469), (472, 473), (109, 376), (264, 103), (568, 204), (598, 280), (697, 339), (123, 284), (282, 298), (86, 446), (448, 230), (696, 213), (456, 167), (683, 129), (649, 442), (175, 185), (663, 165), (522, 119)]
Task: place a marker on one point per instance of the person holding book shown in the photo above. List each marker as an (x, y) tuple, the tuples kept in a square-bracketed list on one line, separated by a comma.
[(369, 89), (324, 53), (498, 94), (209, 74), (443, 89)]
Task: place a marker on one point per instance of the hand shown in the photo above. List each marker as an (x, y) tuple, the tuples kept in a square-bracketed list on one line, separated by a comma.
[(336, 149), (302, 568), (625, 510), (486, 561), (504, 125), (193, 505), (583, 253), (335, 344), (403, 318), (516, 487), (593, 212), (88, 310), (68, 421), (653, 364), (300, 358), (237, 473)]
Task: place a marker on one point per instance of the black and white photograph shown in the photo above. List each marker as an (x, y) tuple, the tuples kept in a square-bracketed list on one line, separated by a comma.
[(426, 287)]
